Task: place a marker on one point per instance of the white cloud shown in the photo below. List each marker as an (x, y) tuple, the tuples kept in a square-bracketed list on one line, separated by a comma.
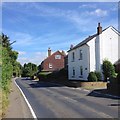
[(22, 39), (88, 6), (99, 12), (21, 52), (35, 57)]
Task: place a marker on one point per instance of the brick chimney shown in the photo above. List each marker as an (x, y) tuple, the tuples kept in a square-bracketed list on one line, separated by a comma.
[(99, 29), (49, 52)]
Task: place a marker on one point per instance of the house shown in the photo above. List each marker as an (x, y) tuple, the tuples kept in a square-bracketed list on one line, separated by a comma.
[(88, 55), (54, 62)]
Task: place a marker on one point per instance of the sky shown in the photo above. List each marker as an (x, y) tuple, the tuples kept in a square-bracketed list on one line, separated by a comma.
[(36, 26)]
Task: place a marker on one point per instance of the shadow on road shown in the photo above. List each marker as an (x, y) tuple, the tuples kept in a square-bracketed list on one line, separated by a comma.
[(104, 94), (25, 78), (44, 84)]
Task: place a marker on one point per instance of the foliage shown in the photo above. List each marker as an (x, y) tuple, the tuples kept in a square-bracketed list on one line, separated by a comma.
[(6, 69), (8, 66), (108, 69), (98, 75), (29, 70), (92, 77)]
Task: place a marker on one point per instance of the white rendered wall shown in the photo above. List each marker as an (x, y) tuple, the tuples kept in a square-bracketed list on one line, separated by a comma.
[(77, 63), (109, 46), (91, 44)]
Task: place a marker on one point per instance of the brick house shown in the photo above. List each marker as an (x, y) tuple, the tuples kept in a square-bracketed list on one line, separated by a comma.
[(54, 62)]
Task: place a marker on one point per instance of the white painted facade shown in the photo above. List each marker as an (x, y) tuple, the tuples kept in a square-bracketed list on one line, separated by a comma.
[(94, 51)]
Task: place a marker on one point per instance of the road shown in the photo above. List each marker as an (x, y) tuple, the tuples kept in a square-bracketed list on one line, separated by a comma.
[(56, 101)]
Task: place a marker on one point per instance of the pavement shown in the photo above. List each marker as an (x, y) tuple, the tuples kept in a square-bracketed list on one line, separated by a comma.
[(17, 105)]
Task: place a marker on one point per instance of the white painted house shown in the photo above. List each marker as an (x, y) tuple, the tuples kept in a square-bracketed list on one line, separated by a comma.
[(88, 55)]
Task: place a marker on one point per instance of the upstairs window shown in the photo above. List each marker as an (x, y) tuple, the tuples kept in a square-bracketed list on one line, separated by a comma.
[(73, 57), (81, 54), (50, 65), (57, 56)]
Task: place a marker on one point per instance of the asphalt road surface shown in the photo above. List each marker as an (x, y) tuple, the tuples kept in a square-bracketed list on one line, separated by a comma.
[(49, 100)]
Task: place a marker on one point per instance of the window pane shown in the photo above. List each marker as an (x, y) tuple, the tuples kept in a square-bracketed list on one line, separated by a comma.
[(81, 55), (81, 70), (57, 56)]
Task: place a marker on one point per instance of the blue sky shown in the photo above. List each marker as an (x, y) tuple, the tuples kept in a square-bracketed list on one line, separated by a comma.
[(38, 25)]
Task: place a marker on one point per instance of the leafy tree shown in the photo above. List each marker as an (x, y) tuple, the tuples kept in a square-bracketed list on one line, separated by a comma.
[(108, 69), (29, 70), (92, 77)]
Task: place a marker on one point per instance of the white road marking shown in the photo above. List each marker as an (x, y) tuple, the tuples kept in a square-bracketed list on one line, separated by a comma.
[(31, 110)]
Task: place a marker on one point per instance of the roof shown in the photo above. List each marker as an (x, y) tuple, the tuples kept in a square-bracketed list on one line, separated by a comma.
[(90, 38), (63, 54)]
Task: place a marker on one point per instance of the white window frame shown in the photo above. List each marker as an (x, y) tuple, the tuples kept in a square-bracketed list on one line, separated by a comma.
[(57, 56), (80, 54), (50, 65)]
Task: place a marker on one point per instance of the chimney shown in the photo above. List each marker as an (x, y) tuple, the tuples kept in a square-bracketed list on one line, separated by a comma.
[(99, 29), (49, 52), (71, 47), (63, 52)]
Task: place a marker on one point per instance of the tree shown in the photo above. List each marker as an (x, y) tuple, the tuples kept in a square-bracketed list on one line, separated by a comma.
[(29, 70), (108, 69)]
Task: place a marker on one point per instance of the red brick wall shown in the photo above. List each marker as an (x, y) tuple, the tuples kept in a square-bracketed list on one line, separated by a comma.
[(57, 64)]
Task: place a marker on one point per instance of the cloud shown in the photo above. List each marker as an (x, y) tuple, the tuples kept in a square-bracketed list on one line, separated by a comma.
[(98, 12), (22, 39), (88, 6), (21, 52), (34, 57)]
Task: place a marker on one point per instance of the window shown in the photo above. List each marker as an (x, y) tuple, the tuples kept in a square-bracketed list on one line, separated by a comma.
[(73, 72), (50, 65), (81, 71), (73, 56), (81, 55), (57, 56)]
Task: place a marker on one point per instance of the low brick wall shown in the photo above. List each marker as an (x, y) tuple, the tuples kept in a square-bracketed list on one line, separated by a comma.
[(95, 84), (89, 84)]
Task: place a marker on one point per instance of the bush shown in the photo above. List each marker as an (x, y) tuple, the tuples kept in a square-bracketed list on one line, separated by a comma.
[(98, 75), (42, 75), (92, 77), (108, 69)]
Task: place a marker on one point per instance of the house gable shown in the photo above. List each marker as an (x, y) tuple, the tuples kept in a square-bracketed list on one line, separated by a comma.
[(54, 62)]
